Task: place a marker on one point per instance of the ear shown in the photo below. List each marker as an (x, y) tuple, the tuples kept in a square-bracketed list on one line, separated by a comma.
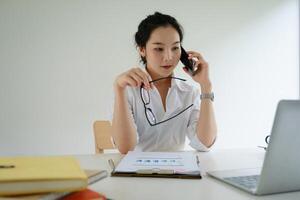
[(142, 51)]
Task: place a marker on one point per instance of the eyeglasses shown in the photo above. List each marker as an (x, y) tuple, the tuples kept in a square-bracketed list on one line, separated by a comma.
[(267, 140), (145, 96)]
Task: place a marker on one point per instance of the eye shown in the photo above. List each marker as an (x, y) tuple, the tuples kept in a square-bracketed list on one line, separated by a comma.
[(158, 49), (175, 48)]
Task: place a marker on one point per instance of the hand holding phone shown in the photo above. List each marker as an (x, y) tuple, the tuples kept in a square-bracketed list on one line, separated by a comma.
[(188, 63)]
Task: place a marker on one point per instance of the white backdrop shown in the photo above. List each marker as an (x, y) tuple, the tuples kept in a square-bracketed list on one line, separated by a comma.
[(58, 61)]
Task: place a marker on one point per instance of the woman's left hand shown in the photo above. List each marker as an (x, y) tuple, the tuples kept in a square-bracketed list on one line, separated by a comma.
[(202, 74)]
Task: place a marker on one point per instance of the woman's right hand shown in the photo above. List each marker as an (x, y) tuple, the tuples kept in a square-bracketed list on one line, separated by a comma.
[(135, 77)]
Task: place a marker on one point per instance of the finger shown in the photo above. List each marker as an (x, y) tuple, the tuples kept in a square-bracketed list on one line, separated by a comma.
[(142, 80), (146, 74), (185, 69), (197, 66), (137, 79), (195, 54), (131, 82), (143, 77), (201, 65), (146, 77)]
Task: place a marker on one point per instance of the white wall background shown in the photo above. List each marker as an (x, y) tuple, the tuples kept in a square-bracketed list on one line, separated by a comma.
[(58, 61)]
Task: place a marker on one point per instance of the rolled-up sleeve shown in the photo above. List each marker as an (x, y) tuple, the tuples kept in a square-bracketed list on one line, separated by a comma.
[(192, 123)]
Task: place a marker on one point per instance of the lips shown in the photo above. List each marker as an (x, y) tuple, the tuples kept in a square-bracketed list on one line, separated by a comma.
[(166, 66)]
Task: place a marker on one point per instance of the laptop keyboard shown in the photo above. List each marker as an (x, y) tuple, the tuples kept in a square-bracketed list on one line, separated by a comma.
[(249, 182)]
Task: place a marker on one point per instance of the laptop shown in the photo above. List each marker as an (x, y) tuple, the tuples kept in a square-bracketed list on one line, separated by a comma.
[(281, 167)]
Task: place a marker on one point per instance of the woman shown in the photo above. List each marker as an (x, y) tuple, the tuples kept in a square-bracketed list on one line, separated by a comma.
[(153, 109)]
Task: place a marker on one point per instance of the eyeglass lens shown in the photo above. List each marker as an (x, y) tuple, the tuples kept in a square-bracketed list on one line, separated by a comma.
[(150, 116), (145, 96)]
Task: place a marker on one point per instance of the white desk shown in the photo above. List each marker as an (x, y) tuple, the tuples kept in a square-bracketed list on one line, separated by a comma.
[(161, 188)]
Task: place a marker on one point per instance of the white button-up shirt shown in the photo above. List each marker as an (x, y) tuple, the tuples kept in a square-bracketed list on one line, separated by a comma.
[(170, 135)]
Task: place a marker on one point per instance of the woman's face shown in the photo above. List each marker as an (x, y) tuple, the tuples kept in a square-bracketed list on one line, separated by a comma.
[(162, 51)]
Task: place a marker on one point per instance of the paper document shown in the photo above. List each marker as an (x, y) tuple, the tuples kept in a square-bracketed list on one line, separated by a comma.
[(179, 162)]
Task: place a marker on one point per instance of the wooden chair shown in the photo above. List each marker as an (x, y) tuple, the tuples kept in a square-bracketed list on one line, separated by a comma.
[(103, 138)]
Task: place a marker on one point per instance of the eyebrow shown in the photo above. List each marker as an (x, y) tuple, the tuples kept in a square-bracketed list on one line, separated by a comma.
[(159, 43)]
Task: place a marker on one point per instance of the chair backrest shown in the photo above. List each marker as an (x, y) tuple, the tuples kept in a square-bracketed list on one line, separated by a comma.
[(103, 136)]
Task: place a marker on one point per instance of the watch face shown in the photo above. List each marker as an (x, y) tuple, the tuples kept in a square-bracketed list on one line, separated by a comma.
[(210, 96)]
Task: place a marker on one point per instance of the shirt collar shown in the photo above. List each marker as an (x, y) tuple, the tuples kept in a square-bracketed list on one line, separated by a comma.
[(175, 83)]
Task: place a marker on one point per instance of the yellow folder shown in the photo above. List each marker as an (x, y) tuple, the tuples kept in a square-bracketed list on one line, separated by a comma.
[(27, 175)]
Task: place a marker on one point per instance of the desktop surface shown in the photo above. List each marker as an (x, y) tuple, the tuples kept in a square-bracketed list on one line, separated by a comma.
[(163, 188)]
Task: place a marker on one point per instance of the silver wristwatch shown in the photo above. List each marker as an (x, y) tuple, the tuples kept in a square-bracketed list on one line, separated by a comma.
[(210, 96)]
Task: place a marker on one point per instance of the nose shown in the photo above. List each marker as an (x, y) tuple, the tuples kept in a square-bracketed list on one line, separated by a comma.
[(168, 55)]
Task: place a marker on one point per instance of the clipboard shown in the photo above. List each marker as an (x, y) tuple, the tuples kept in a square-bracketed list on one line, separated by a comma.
[(156, 172)]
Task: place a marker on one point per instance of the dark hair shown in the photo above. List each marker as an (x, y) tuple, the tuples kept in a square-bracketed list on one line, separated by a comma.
[(150, 23)]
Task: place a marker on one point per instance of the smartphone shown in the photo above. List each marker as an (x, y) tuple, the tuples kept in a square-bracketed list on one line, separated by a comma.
[(188, 63)]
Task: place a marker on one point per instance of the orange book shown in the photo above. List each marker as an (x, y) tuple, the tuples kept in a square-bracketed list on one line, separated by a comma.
[(86, 194)]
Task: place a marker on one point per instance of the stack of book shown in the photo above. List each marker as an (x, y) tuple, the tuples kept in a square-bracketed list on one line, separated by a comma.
[(51, 177)]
